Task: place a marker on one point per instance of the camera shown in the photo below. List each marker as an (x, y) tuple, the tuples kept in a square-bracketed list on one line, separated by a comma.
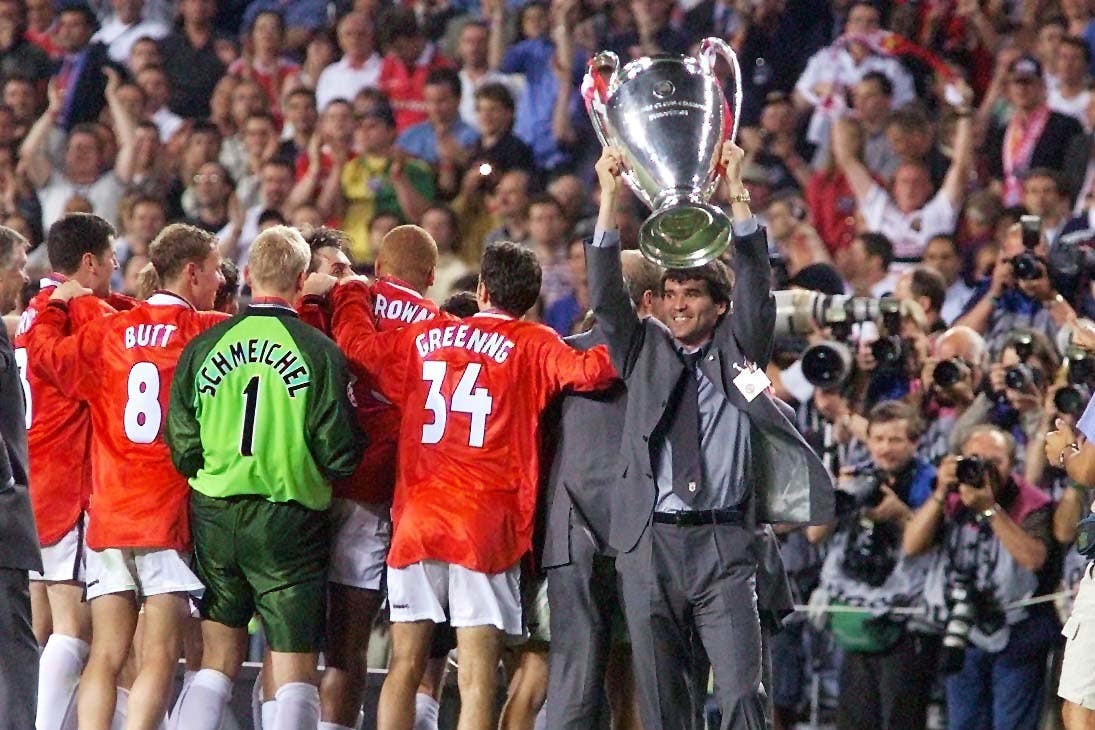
[(887, 350), (1081, 366), (1023, 345), (1027, 267), (960, 619), (827, 365), (1071, 399), (1073, 255), (1022, 377), (947, 373), (868, 494), (1031, 226), (970, 470)]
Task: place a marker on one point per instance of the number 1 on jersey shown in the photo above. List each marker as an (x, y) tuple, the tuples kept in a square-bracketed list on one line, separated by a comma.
[(467, 398), (250, 406)]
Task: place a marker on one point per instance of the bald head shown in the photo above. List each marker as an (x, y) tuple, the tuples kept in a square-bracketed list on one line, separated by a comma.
[(962, 342), (643, 277), (408, 253)]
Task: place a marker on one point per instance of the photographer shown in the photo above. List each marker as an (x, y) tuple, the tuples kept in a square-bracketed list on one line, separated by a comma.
[(1015, 393), (950, 381), (888, 670), (995, 548), (1019, 292)]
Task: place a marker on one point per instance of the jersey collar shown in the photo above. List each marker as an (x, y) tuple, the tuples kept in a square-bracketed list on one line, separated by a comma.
[(399, 284), (51, 280), (164, 298), (494, 313)]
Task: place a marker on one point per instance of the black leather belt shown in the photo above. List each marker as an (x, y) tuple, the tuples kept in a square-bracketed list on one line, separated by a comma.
[(691, 518)]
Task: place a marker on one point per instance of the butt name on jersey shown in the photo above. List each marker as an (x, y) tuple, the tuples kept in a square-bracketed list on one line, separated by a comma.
[(148, 335), (289, 365), (399, 310), (494, 345)]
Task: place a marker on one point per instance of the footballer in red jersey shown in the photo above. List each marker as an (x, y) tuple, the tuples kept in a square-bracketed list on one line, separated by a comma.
[(470, 394), (122, 366), (81, 247)]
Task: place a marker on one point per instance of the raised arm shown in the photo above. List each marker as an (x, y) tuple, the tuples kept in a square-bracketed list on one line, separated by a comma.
[(954, 184), (847, 159), (34, 153), (495, 13), (125, 128), (607, 292)]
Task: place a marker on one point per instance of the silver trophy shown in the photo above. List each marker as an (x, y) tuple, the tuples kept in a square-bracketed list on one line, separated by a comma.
[(668, 116)]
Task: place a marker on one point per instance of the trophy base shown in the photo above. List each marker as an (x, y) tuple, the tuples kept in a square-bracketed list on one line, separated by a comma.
[(685, 235)]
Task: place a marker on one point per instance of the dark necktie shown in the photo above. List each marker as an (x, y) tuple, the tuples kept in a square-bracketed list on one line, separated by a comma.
[(684, 432)]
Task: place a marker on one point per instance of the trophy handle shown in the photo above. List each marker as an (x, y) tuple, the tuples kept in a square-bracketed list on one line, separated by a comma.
[(709, 48), (600, 81)]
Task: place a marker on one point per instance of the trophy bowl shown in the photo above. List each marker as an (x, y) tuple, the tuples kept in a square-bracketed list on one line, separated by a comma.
[(668, 116)]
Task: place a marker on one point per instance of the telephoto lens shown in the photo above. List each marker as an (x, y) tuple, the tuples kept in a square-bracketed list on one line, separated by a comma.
[(956, 633), (947, 373), (970, 470), (827, 365), (886, 350)]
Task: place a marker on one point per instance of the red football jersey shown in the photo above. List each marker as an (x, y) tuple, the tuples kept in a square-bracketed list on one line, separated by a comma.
[(58, 427), (122, 366), (470, 394)]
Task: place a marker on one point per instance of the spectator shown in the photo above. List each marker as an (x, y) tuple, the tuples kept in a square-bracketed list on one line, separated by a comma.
[(994, 540), (510, 203), (946, 402), (190, 59), (264, 64), (1044, 197), (872, 101), (381, 179), (653, 33), (260, 139), (275, 184), (775, 148), (497, 144), (300, 123), (125, 26), (328, 151), (924, 286), (22, 97), (443, 140), (440, 222), (359, 66), (841, 66), (547, 238), (142, 220), (153, 81), (79, 78), (1068, 86), (322, 51), (792, 236), (1035, 137), (247, 100), (41, 24), (300, 18), (213, 198), (942, 254), (472, 53), (578, 209), (869, 259), (911, 135), (144, 52), (83, 163), (18, 56), (909, 213), (408, 62)]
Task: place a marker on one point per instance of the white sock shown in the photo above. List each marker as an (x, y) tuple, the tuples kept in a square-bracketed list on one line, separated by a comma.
[(541, 718), (256, 703), (172, 716), (269, 714), (425, 712), (333, 726), (59, 667), (298, 707), (202, 707), (118, 721)]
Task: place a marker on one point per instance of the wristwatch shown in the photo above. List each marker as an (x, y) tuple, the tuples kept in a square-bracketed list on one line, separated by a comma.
[(985, 515), (742, 197), (1074, 447)]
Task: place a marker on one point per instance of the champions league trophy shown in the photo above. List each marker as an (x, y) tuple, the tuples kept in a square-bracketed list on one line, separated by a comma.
[(668, 116)]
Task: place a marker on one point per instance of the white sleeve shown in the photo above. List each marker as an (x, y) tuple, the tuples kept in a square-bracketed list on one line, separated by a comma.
[(810, 78), (903, 89), (1086, 424), (873, 207)]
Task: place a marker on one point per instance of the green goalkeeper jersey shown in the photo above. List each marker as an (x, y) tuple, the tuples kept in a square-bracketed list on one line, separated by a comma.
[(259, 406)]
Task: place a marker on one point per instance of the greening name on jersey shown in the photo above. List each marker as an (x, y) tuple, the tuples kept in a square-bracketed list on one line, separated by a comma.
[(259, 406)]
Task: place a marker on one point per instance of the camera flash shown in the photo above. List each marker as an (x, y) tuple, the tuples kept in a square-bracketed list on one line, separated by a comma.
[(485, 169)]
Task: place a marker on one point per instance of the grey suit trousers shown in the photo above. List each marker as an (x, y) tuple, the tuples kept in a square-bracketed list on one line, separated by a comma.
[(584, 597), (18, 653), (702, 579)]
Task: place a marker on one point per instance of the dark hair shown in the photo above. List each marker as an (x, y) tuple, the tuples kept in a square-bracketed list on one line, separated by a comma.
[(74, 235), (271, 215), (511, 275), (1081, 44), (454, 222), (714, 273), (80, 9), (883, 81), (876, 244), (498, 92), (326, 237), (230, 289), (398, 22), (1042, 348), (909, 117), (546, 199), (275, 13), (1048, 173), (467, 282), (927, 282), (204, 126), (445, 77), (461, 304), (889, 411), (301, 91)]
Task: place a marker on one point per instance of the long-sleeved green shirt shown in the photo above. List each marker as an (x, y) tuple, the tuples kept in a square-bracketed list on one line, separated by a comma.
[(259, 406)]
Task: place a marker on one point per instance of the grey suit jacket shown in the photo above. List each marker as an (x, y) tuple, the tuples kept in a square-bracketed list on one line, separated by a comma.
[(586, 466), (790, 482), (18, 533)]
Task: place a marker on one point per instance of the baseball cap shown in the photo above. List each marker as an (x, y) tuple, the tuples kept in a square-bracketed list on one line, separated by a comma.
[(1025, 66)]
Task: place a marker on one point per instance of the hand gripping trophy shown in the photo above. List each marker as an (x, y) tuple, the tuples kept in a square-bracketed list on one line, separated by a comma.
[(668, 116)]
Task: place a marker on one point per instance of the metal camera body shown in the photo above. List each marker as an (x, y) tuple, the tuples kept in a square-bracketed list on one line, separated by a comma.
[(971, 470), (948, 373), (961, 617), (1022, 377)]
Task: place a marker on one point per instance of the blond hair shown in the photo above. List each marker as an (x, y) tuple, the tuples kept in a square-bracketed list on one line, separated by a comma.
[(278, 257), (148, 281)]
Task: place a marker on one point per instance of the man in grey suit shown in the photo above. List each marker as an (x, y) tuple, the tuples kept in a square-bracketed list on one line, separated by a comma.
[(586, 611), (707, 455), (18, 536)]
